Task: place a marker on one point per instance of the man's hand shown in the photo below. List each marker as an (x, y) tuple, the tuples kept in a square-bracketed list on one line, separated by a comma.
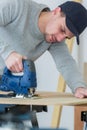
[(81, 92), (14, 62)]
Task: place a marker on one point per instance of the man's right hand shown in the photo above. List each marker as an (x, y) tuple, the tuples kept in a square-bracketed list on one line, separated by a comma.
[(14, 62)]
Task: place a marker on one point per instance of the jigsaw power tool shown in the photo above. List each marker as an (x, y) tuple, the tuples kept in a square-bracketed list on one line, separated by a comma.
[(20, 84)]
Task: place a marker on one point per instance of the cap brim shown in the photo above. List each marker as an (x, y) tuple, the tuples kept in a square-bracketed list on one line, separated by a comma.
[(71, 27)]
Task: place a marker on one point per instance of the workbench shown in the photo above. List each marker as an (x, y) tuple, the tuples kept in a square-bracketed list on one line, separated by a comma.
[(49, 98), (46, 98)]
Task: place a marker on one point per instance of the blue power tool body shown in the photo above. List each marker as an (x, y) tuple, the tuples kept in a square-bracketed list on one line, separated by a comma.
[(20, 84)]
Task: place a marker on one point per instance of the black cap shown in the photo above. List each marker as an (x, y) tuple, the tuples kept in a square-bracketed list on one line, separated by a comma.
[(76, 17)]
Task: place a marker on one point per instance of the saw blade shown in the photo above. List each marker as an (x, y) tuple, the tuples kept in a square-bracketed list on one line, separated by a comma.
[(34, 96)]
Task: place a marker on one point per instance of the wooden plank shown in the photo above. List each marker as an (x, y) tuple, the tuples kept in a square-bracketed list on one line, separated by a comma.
[(46, 98), (78, 1)]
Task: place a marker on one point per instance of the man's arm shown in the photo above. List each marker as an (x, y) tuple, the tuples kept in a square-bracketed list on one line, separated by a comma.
[(68, 68), (8, 14), (81, 92)]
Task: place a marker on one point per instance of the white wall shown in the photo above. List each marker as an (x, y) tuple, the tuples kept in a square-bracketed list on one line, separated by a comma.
[(47, 76)]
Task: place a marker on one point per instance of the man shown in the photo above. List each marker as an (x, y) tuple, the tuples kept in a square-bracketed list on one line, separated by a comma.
[(28, 29)]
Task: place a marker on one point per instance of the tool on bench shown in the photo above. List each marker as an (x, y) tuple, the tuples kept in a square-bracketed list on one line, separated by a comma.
[(21, 85)]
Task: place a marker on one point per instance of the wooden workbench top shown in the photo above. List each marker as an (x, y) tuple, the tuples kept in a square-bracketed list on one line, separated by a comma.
[(45, 98)]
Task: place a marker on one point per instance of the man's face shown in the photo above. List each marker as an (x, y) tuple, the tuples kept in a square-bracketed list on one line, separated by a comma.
[(56, 30)]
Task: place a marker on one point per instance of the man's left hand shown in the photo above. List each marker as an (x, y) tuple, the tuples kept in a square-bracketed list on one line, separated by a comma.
[(81, 92)]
